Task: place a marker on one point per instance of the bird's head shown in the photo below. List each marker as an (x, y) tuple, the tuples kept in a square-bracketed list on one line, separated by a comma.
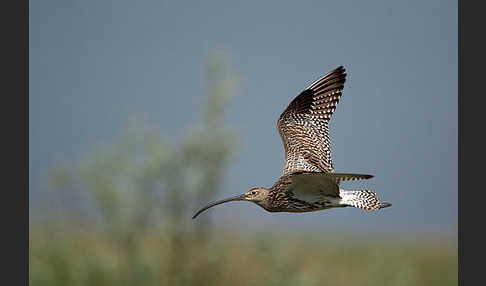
[(255, 195)]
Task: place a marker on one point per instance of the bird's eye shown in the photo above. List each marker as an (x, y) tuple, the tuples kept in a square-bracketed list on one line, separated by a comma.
[(253, 193)]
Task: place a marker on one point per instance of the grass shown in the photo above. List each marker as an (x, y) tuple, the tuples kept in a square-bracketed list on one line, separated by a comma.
[(91, 257)]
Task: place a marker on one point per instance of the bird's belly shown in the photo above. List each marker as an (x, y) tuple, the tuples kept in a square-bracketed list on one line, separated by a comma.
[(299, 206)]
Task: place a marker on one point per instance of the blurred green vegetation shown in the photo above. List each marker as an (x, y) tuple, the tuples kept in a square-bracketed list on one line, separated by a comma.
[(91, 257), (121, 216)]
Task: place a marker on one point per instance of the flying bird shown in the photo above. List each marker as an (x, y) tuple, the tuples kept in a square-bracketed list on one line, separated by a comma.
[(308, 182)]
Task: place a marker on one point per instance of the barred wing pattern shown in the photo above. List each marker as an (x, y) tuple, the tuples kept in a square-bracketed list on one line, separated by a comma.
[(304, 127)]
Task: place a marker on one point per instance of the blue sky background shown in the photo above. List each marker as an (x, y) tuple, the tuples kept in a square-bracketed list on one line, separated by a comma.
[(93, 63)]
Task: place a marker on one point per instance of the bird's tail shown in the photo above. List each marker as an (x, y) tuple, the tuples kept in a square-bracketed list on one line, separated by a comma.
[(363, 199)]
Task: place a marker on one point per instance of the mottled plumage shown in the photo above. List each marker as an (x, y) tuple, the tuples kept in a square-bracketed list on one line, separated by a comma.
[(308, 182), (304, 125)]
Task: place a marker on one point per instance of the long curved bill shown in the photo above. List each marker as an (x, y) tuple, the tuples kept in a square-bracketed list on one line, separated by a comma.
[(235, 198)]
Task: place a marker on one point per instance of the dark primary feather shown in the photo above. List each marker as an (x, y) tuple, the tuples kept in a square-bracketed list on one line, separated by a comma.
[(304, 127)]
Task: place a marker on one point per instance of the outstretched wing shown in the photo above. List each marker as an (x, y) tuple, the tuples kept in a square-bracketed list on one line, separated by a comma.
[(312, 187), (304, 127)]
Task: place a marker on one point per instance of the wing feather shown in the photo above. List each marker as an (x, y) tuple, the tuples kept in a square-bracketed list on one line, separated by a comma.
[(304, 128), (312, 187)]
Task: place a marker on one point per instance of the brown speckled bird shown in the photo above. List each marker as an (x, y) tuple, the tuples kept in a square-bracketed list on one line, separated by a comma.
[(308, 182)]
